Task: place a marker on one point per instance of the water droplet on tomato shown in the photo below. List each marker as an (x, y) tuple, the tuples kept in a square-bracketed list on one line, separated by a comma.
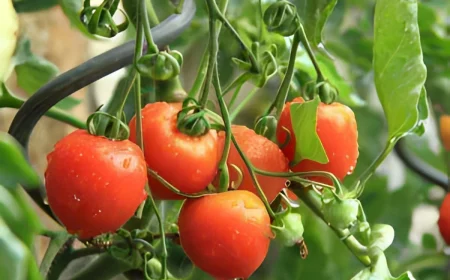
[(99, 211), (346, 156), (176, 154), (81, 154), (107, 183), (45, 199), (198, 171), (76, 198)]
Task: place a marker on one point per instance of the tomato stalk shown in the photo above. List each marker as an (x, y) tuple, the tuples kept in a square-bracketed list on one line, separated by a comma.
[(57, 240), (313, 201), (283, 90), (145, 24), (358, 187), (8, 100), (250, 168), (201, 74), (307, 46)]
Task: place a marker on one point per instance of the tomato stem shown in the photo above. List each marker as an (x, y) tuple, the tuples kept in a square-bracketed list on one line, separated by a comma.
[(201, 74), (143, 20), (238, 82), (56, 242), (307, 46), (313, 201), (251, 168), (11, 101), (358, 187), (283, 90), (244, 102)]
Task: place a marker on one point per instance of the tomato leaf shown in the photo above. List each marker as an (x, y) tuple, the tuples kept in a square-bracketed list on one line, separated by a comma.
[(314, 15), (14, 167), (400, 72), (8, 37), (304, 121), (72, 9), (34, 71), (14, 256), (380, 270), (26, 6), (381, 236)]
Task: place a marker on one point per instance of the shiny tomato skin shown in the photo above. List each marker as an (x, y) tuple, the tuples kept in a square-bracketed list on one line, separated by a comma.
[(263, 154), (337, 130), (227, 234), (444, 219), (94, 185), (188, 163)]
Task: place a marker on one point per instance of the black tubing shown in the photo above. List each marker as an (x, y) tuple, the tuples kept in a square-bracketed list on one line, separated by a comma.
[(420, 167), (90, 71)]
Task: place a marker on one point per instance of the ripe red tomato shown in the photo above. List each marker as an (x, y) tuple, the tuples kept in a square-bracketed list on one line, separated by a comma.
[(336, 128), (227, 234), (188, 163), (444, 219), (263, 154), (94, 185)]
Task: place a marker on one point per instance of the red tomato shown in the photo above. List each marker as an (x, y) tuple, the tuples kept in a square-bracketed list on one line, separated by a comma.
[(188, 163), (444, 219), (227, 234), (263, 154), (94, 185), (336, 128)]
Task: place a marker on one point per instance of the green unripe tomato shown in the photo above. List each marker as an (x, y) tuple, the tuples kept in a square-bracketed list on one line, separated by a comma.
[(341, 214), (289, 229)]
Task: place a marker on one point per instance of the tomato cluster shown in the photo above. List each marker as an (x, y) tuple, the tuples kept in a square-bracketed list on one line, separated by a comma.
[(94, 184)]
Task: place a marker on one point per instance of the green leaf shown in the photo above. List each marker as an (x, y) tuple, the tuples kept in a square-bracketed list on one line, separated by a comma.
[(72, 9), (8, 37), (26, 6), (18, 215), (314, 15), (304, 121), (400, 72), (381, 236), (14, 255), (14, 167), (380, 271), (34, 71)]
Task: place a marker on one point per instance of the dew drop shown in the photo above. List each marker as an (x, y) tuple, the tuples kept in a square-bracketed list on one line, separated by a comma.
[(176, 154), (107, 183), (198, 171), (76, 198), (99, 211), (81, 154), (347, 157)]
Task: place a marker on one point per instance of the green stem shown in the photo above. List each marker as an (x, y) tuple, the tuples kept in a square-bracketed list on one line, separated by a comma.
[(143, 20), (313, 201), (228, 25), (11, 101), (201, 74), (358, 188), (153, 17), (250, 168), (283, 91), (155, 209), (239, 81), (307, 46), (56, 242), (242, 104)]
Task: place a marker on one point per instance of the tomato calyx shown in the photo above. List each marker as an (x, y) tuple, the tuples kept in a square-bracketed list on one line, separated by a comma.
[(266, 126), (99, 19), (191, 120), (160, 66), (104, 124)]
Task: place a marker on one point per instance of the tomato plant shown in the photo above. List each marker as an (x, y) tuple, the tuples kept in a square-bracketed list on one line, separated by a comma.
[(264, 140)]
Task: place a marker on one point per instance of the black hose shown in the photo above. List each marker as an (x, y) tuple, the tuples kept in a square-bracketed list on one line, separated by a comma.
[(420, 167), (90, 71)]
